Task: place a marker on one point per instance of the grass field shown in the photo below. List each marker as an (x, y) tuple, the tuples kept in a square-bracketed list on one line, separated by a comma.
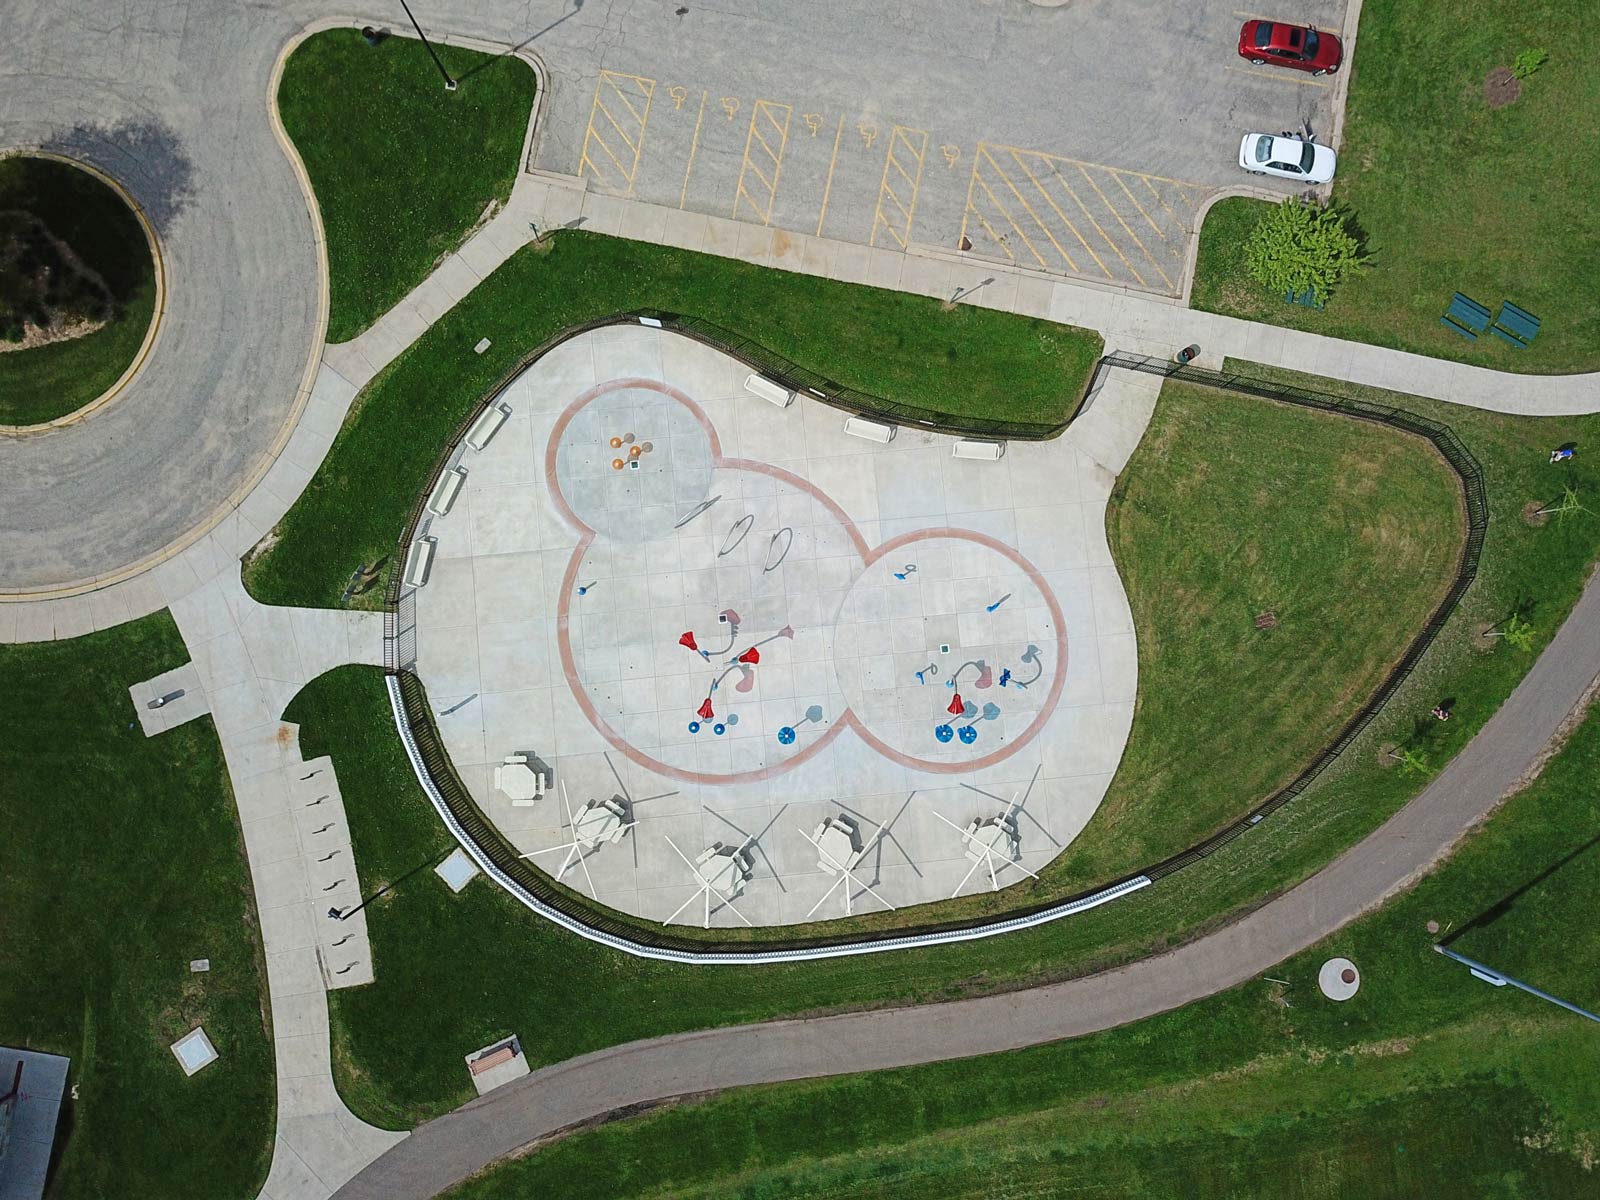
[(1427, 1083), (1451, 195), (901, 347), (1346, 533), (45, 382), (122, 862), (402, 169)]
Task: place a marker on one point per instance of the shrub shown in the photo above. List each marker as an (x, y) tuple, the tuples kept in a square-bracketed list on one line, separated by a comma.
[(1297, 246), (1527, 62)]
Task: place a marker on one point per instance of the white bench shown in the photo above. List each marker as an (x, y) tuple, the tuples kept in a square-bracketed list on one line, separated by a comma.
[(985, 451), (772, 393), (486, 426), (446, 491), (420, 561), (873, 431)]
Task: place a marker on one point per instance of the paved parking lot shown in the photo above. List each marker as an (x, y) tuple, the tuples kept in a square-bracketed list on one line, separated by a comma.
[(1080, 141)]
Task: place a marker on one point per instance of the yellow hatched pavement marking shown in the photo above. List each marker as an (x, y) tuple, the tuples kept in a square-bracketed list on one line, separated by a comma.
[(615, 136), (763, 158), (1065, 220), (978, 160), (1008, 184), (902, 180)]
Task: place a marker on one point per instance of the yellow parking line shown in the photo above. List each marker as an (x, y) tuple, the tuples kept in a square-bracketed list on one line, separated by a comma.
[(1148, 220), (995, 200), (763, 113), (693, 146), (899, 229), (1161, 200), (609, 89), (1065, 220), (1280, 76), (1126, 229), (1023, 200), (995, 237), (828, 187)]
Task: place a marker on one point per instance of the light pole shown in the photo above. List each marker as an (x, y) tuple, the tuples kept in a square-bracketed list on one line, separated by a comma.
[(1490, 976), (449, 83)]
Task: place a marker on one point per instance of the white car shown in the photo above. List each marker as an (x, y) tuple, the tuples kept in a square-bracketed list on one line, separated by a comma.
[(1286, 157)]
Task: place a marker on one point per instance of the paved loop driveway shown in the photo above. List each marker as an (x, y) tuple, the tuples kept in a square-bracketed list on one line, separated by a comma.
[(174, 108), (448, 1149)]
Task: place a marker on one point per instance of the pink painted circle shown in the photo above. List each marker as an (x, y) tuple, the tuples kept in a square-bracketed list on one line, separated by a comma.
[(944, 620)]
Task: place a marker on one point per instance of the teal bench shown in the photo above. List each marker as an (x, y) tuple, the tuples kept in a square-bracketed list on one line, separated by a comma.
[(1466, 317), (1305, 299), (1514, 325)]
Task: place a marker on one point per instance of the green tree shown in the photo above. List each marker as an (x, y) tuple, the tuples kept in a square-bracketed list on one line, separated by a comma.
[(1297, 246)]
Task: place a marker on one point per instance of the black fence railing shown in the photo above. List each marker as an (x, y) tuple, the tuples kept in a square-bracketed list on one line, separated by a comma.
[(498, 851)]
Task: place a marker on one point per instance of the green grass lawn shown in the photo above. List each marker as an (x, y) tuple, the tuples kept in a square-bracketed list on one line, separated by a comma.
[(1427, 1083), (45, 382), (402, 169), (1346, 532), (1453, 196), (902, 347), (123, 861)]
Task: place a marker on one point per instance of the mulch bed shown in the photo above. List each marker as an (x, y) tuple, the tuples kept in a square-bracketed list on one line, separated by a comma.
[(1501, 87)]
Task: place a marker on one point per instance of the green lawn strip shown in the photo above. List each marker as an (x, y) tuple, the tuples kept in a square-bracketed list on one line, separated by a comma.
[(1452, 196), (971, 361), (49, 381), (1425, 1077), (402, 169), (123, 861)]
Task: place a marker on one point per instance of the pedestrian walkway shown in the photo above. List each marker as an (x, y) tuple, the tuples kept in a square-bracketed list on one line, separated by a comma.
[(1128, 319), (249, 660)]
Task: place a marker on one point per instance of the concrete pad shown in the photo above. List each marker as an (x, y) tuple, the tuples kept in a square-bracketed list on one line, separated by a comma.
[(1004, 559), (182, 709)]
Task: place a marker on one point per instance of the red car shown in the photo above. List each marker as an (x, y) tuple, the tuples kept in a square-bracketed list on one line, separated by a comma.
[(1297, 46)]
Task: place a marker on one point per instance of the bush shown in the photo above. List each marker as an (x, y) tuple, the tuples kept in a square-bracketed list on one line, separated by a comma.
[(1297, 246), (1527, 62)]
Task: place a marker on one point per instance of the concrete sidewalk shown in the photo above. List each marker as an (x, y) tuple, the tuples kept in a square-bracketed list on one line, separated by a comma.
[(1128, 319)]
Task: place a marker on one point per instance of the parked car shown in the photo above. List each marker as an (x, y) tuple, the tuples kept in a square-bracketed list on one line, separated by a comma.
[(1286, 157), (1299, 46)]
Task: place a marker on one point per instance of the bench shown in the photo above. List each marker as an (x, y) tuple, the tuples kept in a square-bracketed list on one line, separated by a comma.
[(1515, 325), (419, 562), (983, 451), (1466, 317), (486, 426), (772, 393), (873, 431), (1305, 299), (446, 491)]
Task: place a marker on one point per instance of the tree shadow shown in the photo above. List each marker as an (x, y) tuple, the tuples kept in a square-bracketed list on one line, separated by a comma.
[(145, 156)]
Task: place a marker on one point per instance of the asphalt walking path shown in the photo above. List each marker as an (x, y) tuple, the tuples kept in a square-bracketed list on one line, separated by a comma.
[(447, 1150)]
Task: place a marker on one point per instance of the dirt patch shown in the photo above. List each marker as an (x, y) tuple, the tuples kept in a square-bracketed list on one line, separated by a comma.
[(1532, 516), (1501, 87)]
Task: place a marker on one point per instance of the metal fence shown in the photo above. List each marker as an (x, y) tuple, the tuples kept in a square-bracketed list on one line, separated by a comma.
[(541, 893)]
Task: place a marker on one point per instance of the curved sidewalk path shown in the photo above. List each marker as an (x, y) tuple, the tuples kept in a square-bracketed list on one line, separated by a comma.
[(447, 1150)]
